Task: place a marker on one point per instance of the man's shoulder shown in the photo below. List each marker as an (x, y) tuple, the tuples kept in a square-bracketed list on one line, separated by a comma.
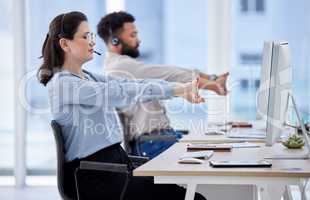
[(120, 62), (123, 58)]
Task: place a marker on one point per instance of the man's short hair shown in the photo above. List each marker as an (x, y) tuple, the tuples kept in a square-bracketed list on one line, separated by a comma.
[(112, 24)]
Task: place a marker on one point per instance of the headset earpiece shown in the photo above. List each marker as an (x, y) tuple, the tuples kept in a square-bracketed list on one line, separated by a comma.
[(115, 41)]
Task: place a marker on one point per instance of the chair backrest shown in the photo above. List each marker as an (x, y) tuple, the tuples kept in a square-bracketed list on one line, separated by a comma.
[(125, 124), (61, 175)]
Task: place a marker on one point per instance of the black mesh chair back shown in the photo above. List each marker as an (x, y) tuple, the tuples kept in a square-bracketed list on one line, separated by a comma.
[(65, 183)]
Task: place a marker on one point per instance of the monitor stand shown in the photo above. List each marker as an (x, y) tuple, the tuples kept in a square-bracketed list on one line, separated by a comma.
[(305, 136)]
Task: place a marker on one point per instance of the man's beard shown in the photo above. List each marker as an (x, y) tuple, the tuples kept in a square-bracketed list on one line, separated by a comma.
[(129, 51)]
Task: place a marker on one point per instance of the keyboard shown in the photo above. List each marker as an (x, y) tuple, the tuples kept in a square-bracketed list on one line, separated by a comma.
[(252, 134)]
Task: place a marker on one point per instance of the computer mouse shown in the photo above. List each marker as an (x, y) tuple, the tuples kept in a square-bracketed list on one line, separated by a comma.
[(190, 161)]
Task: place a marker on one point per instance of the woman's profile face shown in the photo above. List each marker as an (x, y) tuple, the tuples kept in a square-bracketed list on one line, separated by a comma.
[(81, 47)]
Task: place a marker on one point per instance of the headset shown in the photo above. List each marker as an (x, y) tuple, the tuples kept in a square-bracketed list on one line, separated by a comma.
[(62, 33), (114, 40)]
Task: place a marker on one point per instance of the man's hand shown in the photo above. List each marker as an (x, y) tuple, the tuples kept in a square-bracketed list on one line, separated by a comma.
[(218, 86), (189, 91)]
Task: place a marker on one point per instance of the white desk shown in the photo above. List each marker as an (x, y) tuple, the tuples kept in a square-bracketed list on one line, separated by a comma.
[(199, 136), (270, 182), (202, 138)]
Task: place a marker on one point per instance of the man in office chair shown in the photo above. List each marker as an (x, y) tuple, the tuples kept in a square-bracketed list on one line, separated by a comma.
[(144, 119)]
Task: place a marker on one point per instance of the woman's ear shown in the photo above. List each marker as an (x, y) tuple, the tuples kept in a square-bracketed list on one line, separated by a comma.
[(64, 44)]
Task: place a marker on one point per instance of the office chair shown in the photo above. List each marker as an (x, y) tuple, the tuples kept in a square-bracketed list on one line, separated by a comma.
[(128, 145), (114, 175)]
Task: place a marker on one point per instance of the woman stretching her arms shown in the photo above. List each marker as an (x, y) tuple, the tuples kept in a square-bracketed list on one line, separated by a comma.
[(84, 104)]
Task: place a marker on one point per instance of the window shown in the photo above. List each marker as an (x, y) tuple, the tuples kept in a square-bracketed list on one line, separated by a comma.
[(251, 32), (244, 5), (244, 83), (260, 6), (7, 89), (256, 83), (250, 59), (257, 6)]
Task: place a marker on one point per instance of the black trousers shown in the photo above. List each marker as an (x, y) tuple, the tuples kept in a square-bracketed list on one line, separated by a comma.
[(139, 188)]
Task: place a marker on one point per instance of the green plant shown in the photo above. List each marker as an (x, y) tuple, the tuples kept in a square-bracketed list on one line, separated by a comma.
[(294, 142)]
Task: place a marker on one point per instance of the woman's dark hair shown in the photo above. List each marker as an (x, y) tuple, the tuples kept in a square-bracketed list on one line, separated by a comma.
[(62, 26), (113, 23)]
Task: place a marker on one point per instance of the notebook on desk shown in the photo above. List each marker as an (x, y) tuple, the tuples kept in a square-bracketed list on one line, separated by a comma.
[(231, 163), (214, 147)]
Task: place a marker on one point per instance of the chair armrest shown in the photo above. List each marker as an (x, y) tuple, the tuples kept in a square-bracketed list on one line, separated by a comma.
[(84, 177), (101, 166), (137, 161)]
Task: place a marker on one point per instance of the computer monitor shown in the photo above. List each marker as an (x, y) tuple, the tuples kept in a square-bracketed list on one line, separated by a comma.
[(280, 86), (276, 83), (263, 92)]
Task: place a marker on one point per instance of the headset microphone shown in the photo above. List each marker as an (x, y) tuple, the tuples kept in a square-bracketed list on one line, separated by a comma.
[(96, 52), (63, 34)]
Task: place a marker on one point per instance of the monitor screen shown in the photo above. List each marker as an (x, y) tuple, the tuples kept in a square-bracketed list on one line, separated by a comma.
[(263, 91), (279, 86)]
